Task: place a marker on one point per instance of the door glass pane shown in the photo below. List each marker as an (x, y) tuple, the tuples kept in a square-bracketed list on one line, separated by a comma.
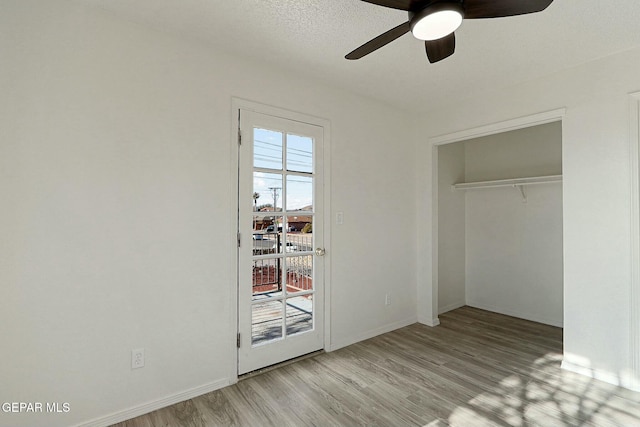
[(299, 193), (267, 278), (299, 153), (298, 241), (261, 238), (266, 321), (276, 240), (299, 314), (267, 192), (299, 273), (267, 149)]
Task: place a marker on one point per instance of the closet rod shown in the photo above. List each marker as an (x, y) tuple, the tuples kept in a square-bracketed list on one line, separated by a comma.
[(549, 179)]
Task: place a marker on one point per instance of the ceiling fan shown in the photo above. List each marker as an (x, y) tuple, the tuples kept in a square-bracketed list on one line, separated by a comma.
[(435, 21)]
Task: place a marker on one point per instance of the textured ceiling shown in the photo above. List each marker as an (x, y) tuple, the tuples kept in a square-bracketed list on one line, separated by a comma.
[(312, 37)]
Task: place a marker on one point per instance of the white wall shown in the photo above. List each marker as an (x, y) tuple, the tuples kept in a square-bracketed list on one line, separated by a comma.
[(451, 228), (596, 199), (531, 151), (116, 224), (514, 252)]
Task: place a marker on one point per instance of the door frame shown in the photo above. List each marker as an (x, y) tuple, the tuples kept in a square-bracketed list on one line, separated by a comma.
[(236, 105), (633, 382)]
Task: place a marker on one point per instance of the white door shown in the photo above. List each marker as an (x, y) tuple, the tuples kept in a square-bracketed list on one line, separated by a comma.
[(280, 277)]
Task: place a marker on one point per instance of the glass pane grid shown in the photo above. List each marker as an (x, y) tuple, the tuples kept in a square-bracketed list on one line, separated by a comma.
[(299, 273), (264, 243), (266, 276), (299, 153), (299, 193), (266, 321), (299, 314), (267, 149), (298, 241), (282, 278), (267, 192)]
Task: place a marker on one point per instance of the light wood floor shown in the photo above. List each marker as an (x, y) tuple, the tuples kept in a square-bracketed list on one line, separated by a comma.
[(476, 369)]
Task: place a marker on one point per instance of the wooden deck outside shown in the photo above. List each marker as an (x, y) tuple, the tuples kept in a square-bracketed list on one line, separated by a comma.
[(266, 321)]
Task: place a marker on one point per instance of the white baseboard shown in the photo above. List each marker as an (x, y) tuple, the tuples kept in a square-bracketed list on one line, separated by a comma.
[(625, 381), (429, 322), (514, 313), (451, 306), (372, 333), (145, 408)]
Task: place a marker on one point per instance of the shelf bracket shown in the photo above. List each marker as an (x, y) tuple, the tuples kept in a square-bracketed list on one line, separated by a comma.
[(521, 188)]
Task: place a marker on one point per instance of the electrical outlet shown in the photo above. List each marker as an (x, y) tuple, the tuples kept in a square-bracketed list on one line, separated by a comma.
[(387, 299), (137, 358), (340, 218)]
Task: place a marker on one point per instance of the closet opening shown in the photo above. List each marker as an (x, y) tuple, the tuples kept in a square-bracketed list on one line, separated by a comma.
[(499, 228)]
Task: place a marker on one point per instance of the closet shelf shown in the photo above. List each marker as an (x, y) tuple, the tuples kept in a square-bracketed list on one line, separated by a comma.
[(516, 182)]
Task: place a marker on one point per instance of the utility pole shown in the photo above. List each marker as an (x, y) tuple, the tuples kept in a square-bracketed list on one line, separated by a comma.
[(274, 192)]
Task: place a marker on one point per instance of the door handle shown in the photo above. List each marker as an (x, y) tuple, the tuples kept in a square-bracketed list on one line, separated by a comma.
[(320, 251)]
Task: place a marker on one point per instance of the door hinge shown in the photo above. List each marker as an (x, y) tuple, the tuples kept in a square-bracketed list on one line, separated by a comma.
[(239, 129), (238, 239), (238, 340)]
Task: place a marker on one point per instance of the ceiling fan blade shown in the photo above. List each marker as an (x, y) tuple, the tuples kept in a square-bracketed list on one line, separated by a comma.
[(399, 4), (380, 41), (477, 9), (437, 50)]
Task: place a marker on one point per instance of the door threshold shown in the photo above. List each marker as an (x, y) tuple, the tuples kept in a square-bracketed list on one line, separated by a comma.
[(279, 365)]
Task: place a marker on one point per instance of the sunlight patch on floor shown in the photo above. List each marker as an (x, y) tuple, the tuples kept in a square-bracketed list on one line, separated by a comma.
[(550, 397)]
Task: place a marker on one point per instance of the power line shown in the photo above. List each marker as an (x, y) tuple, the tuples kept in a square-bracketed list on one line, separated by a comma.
[(305, 153)]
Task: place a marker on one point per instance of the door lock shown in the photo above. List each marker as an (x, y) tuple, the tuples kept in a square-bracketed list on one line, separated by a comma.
[(320, 251)]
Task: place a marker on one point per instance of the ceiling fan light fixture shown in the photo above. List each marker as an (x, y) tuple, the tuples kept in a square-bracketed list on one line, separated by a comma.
[(436, 21)]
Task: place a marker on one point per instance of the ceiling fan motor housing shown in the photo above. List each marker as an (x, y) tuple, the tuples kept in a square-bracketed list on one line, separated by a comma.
[(435, 20)]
